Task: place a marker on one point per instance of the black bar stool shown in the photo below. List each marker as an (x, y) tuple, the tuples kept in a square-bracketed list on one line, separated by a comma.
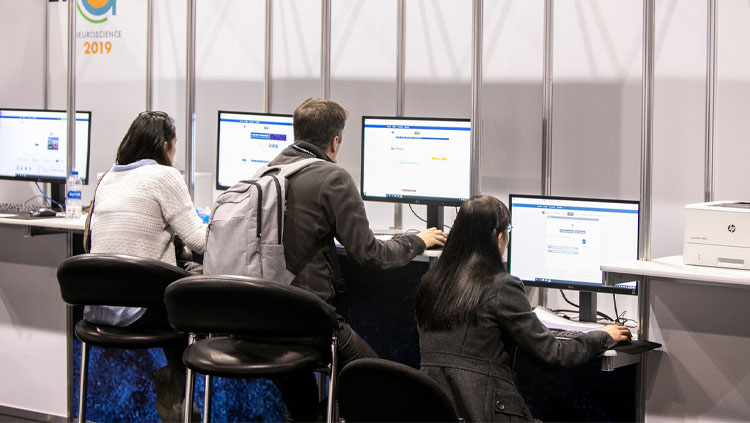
[(376, 390), (266, 329), (115, 280)]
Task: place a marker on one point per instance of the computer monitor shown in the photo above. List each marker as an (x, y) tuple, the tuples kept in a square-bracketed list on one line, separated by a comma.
[(561, 242), (34, 145), (247, 141), (417, 160)]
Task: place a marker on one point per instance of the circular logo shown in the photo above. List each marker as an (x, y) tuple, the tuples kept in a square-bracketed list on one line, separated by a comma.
[(94, 10), (732, 228)]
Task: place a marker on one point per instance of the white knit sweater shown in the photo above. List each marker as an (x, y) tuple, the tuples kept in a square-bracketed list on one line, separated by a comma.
[(137, 211)]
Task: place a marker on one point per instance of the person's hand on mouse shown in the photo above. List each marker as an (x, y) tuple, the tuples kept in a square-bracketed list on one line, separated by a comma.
[(433, 237), (618, 333)]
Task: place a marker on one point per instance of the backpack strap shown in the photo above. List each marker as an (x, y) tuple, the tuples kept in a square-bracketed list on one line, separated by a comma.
[(87, 226), (286, 170)]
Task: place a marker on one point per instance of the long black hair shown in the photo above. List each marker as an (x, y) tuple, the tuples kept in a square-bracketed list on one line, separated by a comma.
[(450, 291), (145, 139)]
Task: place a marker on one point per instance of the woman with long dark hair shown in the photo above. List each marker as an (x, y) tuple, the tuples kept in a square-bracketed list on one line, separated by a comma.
[(471, 314), (140, 204)]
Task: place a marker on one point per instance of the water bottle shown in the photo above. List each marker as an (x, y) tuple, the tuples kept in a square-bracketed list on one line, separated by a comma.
[(73, 201)]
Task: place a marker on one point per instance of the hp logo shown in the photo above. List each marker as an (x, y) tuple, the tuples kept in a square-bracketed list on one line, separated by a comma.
[(731, 228)]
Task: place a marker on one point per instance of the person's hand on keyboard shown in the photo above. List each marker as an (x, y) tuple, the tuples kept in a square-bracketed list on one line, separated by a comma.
[(618, 333)]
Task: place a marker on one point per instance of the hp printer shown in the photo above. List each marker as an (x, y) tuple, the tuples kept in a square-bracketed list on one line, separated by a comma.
[(717, 234)]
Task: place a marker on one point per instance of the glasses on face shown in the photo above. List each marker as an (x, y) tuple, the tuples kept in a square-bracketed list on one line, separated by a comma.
[(509, 228)]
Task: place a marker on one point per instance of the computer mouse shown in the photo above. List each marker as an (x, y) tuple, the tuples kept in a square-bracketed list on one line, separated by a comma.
[(44, 212)]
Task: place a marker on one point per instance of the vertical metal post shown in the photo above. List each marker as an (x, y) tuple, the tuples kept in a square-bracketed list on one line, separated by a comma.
[(647, 129), (267, 60), (149, 54), (644, 242), (710, 170), (325, 49), (398, 218), (71, 107), (549, 14), (190, 101), (476, 94), (82, 385), (546, 186), (45, 63)]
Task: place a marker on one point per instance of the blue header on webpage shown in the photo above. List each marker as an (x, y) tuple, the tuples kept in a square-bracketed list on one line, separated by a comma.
[(261, 122), (596, 209), (40, 118), (445, 128)]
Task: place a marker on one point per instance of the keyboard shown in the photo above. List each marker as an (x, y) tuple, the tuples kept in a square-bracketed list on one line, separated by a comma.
[(17, 208)]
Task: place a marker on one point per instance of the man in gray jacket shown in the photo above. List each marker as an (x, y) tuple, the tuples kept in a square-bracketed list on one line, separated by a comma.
[(323, 202)]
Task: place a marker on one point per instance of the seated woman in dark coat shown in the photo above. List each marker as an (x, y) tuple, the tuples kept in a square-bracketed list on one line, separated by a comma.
[(471, 314)]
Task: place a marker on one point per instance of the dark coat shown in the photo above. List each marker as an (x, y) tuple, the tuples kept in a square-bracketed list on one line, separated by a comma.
[(322, 202), (472, 362)]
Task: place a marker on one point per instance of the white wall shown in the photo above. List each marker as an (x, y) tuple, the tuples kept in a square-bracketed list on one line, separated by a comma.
[(32, 314), (21, 72), (597, 87)]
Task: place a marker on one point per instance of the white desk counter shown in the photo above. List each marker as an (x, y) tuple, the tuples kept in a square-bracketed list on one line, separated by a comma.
[(673, 268), (699, 315), (44, 222)]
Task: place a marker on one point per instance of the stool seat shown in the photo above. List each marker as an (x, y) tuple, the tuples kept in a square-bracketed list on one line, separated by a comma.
[(239, 358), (266, 329), (116, 280), (125, 337)]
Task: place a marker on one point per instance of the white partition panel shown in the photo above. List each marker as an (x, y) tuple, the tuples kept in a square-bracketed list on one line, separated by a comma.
[(295, 53), (438, 36), (512, 97), (110, 75), (679, 119), (363, 78), (21, 72), (230, 47), (732, 93)]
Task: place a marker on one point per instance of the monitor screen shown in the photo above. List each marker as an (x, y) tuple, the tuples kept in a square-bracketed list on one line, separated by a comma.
[(416, 160), (560, 242), (35, 144), (247, 141)]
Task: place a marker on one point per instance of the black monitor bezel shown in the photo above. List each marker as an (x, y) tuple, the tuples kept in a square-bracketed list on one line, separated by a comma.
[(218, 137), (573, 285), (429, 201), (63, 179)]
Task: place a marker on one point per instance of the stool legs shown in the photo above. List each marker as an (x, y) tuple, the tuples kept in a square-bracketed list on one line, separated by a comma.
[(82, 387), (189, 384), (332, 380), (207, 399)]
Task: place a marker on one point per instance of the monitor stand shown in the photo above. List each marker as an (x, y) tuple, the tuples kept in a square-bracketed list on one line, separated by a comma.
[(57, 193), (435, 217), (587, 306)]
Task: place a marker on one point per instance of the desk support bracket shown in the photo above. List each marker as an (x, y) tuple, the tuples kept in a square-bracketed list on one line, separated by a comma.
[(611, 360), (613, 278), (31, 231)]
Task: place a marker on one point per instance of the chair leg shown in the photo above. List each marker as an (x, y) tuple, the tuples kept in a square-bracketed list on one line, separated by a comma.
[(83, 382), (189, 382), (207, 399), (332, 380)]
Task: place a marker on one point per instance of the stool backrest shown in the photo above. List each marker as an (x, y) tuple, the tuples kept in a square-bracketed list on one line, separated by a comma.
[(116, 280), (247, 306), (376, 390)]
